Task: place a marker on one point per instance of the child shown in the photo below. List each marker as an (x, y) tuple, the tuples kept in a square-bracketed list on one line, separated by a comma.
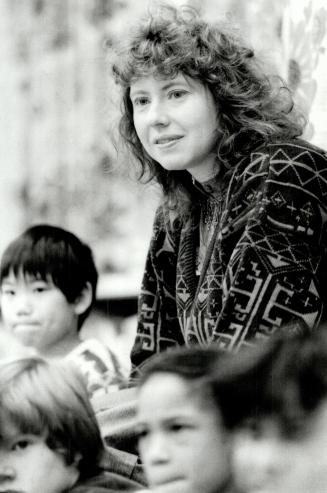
[(275, 403), (49, 438), (182, 440), (48, 286), (238, 246)]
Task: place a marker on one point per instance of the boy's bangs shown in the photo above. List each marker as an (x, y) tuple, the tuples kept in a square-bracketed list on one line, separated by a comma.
[(24, 259), (52, 254), (25, 399), (19, 412)]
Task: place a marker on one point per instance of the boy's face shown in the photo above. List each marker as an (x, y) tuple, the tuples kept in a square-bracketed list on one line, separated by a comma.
[(266, 461), (182, 444), (37, 312), (176, 122), (27, 465)]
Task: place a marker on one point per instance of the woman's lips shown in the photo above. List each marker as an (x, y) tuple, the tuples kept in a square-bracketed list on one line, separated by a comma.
[(167, 140)]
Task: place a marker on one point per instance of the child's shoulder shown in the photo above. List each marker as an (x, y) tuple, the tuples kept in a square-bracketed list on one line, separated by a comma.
[(99, 365), (107, 483)]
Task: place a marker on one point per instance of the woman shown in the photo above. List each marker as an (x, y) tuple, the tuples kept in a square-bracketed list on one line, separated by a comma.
[(238, 244)]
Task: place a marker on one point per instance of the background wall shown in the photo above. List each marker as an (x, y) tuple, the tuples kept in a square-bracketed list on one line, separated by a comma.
[(304, 39)]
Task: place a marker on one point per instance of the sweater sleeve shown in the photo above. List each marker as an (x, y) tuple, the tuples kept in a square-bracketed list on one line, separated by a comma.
[(158, 327), (275, 274)]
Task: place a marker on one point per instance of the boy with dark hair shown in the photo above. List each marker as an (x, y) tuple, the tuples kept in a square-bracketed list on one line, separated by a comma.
[(48, 282), (274, 400), (49, 438), (182, 439)]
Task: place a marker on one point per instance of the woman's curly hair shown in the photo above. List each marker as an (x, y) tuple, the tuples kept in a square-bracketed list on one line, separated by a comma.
[(252, 107)]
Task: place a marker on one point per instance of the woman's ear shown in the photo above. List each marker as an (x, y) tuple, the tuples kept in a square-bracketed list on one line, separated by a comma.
[(84, 300)]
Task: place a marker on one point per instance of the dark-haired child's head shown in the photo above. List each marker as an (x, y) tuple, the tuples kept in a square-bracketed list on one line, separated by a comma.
[(274, 400), (182, 440), (48, 285), (49, 437)]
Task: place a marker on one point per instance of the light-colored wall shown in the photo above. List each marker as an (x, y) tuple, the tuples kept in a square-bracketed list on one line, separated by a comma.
[(305, 62)]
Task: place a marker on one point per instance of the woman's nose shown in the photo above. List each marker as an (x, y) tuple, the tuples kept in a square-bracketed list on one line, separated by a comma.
[(158, 115)]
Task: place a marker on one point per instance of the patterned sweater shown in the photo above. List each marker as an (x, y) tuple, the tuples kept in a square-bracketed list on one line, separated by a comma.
[(265, 265)]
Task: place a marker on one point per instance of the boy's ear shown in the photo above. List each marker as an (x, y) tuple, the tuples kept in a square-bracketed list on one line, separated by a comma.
[(84, 300), (74, 469), (77, 459)]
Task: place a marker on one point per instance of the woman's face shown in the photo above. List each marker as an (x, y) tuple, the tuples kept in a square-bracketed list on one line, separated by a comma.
[(176, 122), (182, 443)]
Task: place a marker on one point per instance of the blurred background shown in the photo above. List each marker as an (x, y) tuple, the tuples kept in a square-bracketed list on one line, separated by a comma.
[(61, 160)]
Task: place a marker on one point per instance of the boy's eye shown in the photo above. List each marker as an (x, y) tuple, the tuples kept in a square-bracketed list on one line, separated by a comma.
[(254, 428), (40, 287), (21, 444), (142, 433), (7, 291), (140, 101), (177, 427)]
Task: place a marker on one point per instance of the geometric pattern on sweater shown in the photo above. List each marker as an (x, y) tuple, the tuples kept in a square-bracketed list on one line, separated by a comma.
[(264, 269)]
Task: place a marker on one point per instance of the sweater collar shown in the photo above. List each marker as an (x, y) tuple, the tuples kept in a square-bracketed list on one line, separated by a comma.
[(210, 188)]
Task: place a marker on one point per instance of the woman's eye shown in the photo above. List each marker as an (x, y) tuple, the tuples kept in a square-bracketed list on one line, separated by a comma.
[(177, 94)]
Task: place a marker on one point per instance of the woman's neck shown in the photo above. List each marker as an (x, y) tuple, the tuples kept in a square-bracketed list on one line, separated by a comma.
[(206, 171)]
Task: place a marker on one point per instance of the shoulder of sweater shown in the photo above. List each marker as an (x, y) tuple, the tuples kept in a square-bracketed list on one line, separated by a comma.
[(295, 151), (107, 481), (296, 147)]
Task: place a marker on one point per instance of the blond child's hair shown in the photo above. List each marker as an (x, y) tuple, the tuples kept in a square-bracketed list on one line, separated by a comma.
[(50, 399)]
